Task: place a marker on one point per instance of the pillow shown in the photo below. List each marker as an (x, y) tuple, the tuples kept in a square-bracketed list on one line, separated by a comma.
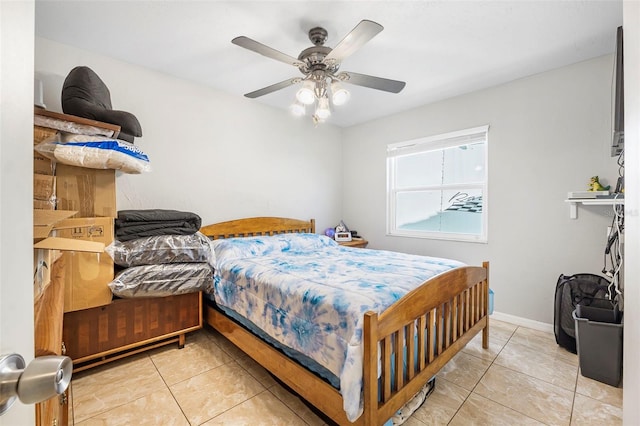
[(94, 152), (85, 94), (264, 245), (162, 249), (163, 280)]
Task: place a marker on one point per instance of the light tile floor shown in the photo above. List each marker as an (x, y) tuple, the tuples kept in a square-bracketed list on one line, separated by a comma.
[(523, 378)]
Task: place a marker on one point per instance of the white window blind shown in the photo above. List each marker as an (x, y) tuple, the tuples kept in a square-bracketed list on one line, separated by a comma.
[(437, 186)]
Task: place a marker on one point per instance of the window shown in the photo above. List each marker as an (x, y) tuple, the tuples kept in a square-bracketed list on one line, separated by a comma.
[(437, 186)]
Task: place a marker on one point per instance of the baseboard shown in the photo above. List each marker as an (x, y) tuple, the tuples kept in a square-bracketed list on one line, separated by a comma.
[(525, 322)]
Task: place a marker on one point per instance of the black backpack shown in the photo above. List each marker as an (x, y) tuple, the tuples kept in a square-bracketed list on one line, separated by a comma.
[(571, 290)]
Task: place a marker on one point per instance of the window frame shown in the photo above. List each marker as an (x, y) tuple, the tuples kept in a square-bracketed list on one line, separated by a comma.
[(435, 143)]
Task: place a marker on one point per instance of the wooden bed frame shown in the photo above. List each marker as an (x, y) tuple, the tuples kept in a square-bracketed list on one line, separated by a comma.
[(449, 310)]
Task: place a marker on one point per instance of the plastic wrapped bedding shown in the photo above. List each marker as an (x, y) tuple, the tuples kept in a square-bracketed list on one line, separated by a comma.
[(94, 152), (163, 280), (192, 248)]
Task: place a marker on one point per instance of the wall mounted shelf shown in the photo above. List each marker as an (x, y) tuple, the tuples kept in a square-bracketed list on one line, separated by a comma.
[(574, 202)]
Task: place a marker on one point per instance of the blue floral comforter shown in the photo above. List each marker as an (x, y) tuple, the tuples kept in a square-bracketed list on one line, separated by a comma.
[(310, 294)]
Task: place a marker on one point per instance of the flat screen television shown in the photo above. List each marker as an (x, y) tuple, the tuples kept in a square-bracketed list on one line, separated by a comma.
[(617, 144)]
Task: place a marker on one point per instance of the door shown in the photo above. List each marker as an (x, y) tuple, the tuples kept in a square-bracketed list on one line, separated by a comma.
[(16, 189)]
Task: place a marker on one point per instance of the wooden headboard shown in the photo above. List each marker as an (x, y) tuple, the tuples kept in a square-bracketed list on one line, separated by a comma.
[(252, 226)]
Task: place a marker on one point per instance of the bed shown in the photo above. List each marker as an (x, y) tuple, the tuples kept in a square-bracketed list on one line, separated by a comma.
[(428, 324)]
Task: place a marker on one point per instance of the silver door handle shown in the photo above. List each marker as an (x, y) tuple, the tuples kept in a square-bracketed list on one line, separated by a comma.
[(44, 378)]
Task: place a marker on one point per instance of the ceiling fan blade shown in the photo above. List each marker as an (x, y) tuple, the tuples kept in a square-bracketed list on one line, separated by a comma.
[(362, 33), (267, 51), (379, 83), (273, 88)]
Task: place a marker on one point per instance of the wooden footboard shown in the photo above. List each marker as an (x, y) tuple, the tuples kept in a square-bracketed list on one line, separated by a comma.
[(429, 325)]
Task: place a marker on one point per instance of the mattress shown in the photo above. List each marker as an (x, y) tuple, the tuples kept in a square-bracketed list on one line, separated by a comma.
[(309, 294)]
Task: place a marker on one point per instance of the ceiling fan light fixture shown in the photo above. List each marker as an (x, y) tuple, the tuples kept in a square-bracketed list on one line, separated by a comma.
[(297, 109), (306, 94), (323, 112), (340, 95)]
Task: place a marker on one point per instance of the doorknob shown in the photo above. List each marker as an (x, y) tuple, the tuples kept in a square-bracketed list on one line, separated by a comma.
[(44, 378)]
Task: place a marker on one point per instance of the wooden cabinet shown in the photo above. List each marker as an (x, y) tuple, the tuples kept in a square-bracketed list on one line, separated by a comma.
[(356, 242), (128, 326)]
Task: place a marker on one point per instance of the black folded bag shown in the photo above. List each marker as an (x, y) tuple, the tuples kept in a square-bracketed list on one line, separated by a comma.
[(572, 290)]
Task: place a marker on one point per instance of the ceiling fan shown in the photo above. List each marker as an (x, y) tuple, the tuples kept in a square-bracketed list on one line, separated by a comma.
[(319, 65)]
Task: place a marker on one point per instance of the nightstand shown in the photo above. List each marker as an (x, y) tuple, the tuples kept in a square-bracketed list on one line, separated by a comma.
[(356, 242)]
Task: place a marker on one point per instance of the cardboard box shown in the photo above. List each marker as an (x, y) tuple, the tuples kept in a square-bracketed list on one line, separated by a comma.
[(44, 187), (87, 275), (42, 165), (91, 192), (44, 204), (44, 221), (41, 133), (45, 255)]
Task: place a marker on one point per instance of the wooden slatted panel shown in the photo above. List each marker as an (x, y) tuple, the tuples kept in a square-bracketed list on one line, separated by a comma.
[(431, 336), (389, 407), (471, 307), (454, 319), (463, 312), (480, 301), (476, 313), (422, 352), (399, 358), (479, 311), (460, 315), (387, 367), (467, 311), (485, 292), (439, 330), (411, 348), (447, 324), (478, 290)]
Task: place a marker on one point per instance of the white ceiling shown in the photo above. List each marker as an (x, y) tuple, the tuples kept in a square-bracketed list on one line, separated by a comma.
[(440, 48)]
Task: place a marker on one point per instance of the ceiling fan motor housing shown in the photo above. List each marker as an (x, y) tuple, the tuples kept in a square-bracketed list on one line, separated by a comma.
[(313, 59), (318, 36)]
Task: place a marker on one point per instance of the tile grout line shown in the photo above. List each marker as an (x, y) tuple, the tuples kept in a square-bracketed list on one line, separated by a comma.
[(169, 388), (574, 391), (94, 414), (231, 361), (485, 372)]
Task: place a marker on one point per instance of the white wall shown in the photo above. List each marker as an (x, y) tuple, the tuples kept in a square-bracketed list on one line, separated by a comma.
[(549, 133), (16, 190), (214, 154)]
